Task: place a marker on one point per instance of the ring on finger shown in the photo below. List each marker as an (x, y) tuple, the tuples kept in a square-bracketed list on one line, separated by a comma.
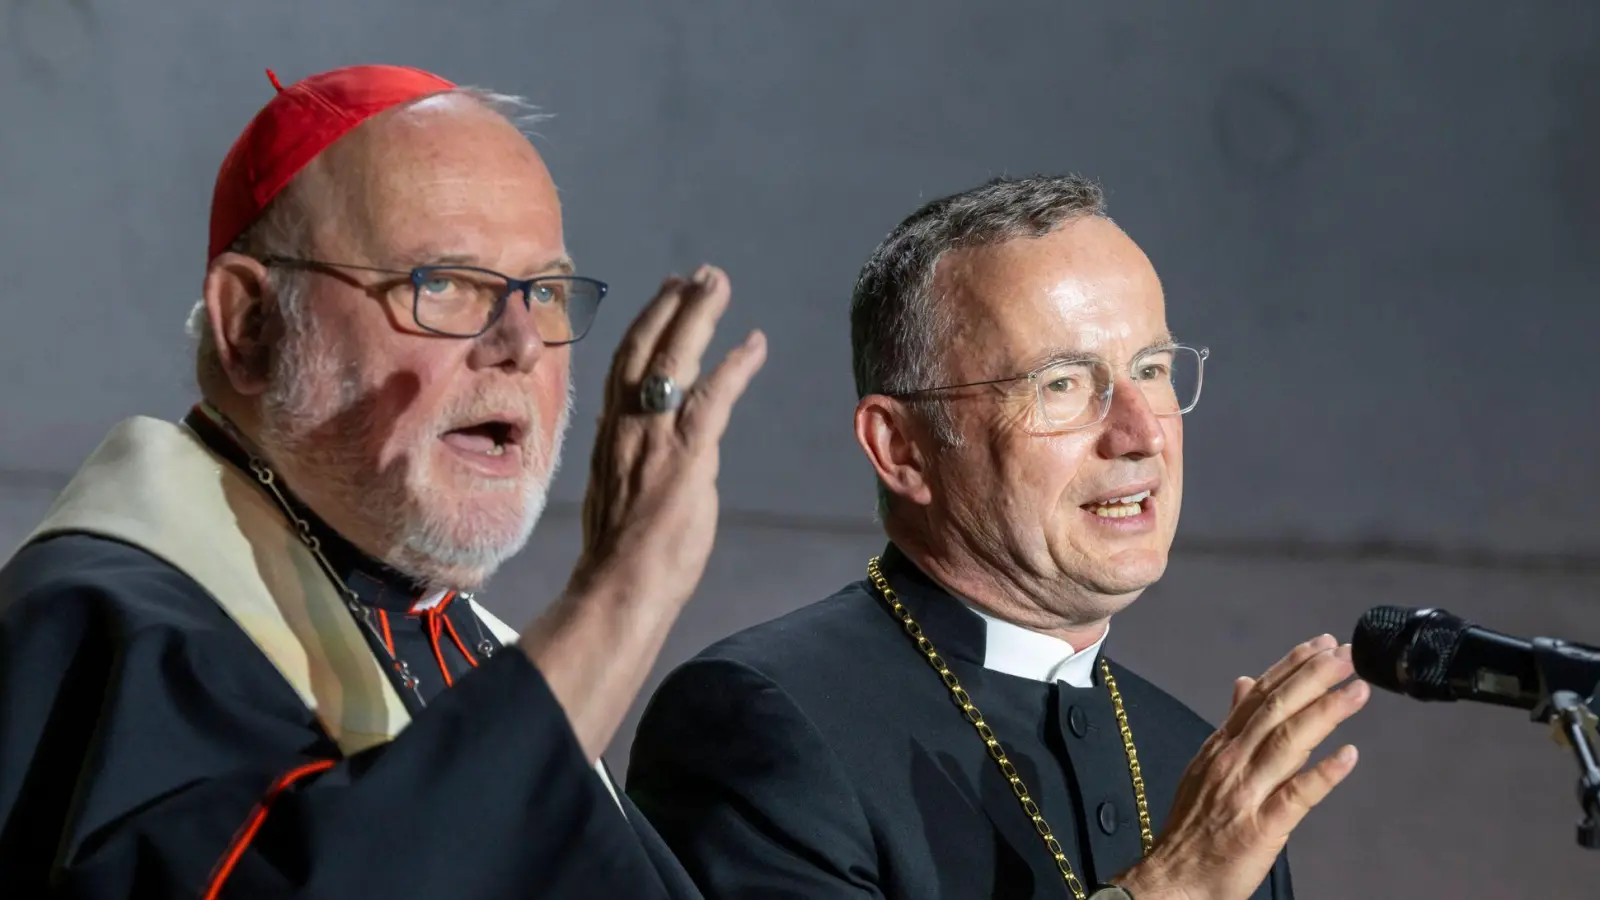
[(659, 394)]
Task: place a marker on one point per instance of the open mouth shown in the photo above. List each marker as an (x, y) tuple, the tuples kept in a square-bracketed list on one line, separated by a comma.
[(1119, 507), (490, 437)]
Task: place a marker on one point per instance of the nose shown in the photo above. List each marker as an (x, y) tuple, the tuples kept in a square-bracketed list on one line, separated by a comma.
[(513, 342), (1131, 428)]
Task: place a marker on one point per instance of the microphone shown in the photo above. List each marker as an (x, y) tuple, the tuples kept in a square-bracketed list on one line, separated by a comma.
[(1429, 654)]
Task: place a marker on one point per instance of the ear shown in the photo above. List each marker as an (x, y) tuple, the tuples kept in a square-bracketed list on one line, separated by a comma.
[(888, 433), (235, 290)]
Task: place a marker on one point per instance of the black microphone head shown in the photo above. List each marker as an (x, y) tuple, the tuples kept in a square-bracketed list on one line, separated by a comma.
[(1378, 643), (1407, 650)]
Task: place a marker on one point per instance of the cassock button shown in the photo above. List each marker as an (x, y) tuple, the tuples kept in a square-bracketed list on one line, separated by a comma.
[(1108, 817), (1077, 721)]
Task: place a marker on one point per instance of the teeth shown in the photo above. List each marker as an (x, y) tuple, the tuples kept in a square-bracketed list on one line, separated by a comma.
[(1117, 512), (498, 450), (1121, 507)]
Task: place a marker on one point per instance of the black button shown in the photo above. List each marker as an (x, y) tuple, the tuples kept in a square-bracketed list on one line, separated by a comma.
[(1108, 817), (1077, 721)]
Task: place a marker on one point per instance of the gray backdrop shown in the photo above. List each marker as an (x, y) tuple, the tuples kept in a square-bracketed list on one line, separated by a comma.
[(1381, 216)]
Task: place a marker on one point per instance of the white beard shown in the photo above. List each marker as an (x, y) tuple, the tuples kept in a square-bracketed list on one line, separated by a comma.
[(318, 426)]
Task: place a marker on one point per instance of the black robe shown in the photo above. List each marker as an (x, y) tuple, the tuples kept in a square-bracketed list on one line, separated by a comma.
[(820, 756), (148, 748)]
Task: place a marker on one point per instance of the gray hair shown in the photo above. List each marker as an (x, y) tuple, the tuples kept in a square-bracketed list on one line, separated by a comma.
[(898, 323), (283, 230)]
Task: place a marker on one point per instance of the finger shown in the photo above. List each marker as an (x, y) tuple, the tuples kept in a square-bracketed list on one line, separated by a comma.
[(1241, 689), (1272, 677), (1312, 680), (639, 343), (678, 352), (1281, 754), (1288, 805), (1294, 659), (705, 412)]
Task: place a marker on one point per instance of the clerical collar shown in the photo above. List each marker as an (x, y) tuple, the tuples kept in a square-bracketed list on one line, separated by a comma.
[(1014, 650), (1005, 647), (374, 583)]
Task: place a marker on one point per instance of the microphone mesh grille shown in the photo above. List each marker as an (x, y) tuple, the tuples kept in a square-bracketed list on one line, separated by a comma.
[(1408, 651), (1376, 646)]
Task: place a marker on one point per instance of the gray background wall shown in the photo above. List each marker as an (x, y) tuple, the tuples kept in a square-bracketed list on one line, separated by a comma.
[(1381, 216)]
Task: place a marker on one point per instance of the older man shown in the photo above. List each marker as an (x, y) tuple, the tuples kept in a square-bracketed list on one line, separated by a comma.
[(1020, 401), (241, 656)]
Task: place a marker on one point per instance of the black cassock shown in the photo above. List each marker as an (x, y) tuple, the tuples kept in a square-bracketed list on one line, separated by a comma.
[(820, 756), (148, 748)]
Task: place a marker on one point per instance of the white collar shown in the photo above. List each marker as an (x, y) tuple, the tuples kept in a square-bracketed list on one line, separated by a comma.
[(1013, 650)]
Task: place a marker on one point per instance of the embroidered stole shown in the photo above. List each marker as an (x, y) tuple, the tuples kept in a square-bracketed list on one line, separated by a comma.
[(154, 485)]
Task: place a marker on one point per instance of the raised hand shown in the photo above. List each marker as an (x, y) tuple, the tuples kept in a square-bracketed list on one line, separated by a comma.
[(1249, 786), (650, 514)]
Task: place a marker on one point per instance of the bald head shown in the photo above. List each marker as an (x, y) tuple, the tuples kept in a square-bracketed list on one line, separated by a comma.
[(354, 197), (404, 185)]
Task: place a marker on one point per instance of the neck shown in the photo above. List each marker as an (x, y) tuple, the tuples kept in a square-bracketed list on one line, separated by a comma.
[(997, 586)]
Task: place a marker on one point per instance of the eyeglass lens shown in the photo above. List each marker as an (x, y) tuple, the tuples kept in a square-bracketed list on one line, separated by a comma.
[(464, 302), (1076, 394)]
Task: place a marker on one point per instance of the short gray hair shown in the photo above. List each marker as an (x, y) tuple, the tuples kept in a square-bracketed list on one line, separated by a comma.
[(898, 323), (284, 229)]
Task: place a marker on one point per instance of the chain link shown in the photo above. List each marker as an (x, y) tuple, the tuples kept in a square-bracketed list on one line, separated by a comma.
[(363, 614), (361, 611), (998, 753)]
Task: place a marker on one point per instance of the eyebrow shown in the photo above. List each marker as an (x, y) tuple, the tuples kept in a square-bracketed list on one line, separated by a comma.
[(562, 264), (1166, 340), (1056, 357)]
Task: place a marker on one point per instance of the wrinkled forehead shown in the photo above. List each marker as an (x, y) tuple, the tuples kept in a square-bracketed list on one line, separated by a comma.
[(447, 176), (1085, 288)]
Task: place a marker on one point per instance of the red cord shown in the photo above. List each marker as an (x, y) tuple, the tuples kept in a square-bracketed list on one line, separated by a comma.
[(388, 639), (432, 621), (471, 660), (241, 841)]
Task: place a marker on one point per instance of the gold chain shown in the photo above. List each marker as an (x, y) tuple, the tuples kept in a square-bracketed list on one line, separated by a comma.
[(998, 753)]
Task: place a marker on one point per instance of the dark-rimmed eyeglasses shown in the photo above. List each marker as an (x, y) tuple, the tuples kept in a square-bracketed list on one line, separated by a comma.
[(1071, 394), (466, 301)]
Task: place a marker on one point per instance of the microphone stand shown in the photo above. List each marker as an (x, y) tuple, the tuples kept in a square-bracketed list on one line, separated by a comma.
[(1570, 714)]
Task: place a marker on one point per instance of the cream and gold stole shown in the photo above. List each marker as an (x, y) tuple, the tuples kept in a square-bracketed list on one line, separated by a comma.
[(157, 486)]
